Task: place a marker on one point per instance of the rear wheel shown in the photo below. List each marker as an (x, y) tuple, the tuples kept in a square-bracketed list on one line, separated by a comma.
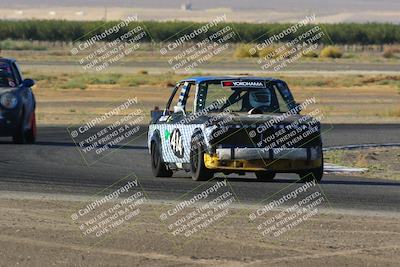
[(158, 167), (197, 166), (265, 176), (313, 174)]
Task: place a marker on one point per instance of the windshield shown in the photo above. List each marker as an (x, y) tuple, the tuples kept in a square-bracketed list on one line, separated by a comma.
[(6, 75), (243, 99)]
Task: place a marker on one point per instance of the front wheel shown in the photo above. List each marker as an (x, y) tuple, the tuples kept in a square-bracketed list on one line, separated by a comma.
[(197, 166), (31, 133), (20, 135)]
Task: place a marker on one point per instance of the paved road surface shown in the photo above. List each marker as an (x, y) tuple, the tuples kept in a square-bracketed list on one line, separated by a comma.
[(54, 165)]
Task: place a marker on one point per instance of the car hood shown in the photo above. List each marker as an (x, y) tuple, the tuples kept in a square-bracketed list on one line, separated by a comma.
[(4, 90)]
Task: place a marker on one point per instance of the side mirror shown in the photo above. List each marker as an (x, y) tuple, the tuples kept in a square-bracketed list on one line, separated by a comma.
[(179, 109), (28, 82)]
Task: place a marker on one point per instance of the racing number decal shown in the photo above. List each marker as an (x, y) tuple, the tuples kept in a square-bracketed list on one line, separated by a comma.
[(176, 143)]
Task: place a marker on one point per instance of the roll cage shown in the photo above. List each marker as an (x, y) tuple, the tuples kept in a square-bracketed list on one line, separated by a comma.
[(196, 86)]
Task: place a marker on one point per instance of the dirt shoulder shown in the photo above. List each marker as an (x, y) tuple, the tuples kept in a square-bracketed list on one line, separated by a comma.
[(381, 163), (40, 232)]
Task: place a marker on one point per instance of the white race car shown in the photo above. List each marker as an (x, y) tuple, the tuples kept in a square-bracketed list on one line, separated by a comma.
[(234, 125)]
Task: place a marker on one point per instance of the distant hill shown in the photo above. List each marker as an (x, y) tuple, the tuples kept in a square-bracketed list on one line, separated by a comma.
[(279, 5), (248, 10)]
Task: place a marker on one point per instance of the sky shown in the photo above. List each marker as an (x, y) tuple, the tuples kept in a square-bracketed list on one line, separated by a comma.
[(278, 5)]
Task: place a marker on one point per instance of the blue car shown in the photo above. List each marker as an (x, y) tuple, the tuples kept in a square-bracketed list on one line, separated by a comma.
[(17, 104)]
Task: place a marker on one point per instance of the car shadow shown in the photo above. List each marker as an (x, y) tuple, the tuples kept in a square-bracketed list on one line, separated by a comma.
[(323, 182), (373, 183), (70, 144)]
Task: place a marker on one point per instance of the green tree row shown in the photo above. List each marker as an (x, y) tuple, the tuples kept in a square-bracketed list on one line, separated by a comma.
[(71, 31)]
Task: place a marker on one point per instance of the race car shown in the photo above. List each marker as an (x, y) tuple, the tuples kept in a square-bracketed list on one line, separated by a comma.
[(17, 104), (234, 125)]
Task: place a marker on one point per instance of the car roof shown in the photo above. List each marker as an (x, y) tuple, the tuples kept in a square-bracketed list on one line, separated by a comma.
[(8, 60), (200, 79)]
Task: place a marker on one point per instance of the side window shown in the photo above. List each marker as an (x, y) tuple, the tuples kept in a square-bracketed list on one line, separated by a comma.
[(286, 95), (283, 106), (181, 99), (18, 78), (7, 78), (189, 107), (174, 98)]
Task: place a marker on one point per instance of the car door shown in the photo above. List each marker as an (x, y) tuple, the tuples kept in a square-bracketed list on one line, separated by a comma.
[(176, 133)]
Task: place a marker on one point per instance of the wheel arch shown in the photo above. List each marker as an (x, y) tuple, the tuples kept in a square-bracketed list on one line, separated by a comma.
[(156, 138), (197, 132)]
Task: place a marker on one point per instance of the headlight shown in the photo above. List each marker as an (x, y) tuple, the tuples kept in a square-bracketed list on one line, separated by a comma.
[(8, 100)]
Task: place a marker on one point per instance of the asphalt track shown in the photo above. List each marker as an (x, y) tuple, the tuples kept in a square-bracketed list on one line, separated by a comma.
[(54, 165)]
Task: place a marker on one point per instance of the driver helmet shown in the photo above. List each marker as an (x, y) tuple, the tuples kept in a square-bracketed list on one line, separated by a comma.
[(259, 98)]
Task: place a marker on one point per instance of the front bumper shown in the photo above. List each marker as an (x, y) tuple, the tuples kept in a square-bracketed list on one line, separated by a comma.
[(256, 159), (9, 121)]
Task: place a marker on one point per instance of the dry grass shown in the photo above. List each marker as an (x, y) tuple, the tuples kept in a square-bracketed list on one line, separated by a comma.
[(342, 99), (391, 51), (243, 51), (331, 52), (234, 53), (381, 162)]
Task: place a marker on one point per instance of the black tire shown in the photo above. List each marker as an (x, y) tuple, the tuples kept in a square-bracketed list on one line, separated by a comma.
[(265, 176), (30, 137), (31, 133), (20, 135), (313, 174), (158, 167), (197, 167)]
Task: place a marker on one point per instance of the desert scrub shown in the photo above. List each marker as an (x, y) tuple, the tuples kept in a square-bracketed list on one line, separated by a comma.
[(81, 81), (310, 54), (390, 51), (269, 52), (143, 72), (111, 78), (74, 83), (393, 80), (43, 77), (331, 52), (9, 44), (244, 50), (69, 31)]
